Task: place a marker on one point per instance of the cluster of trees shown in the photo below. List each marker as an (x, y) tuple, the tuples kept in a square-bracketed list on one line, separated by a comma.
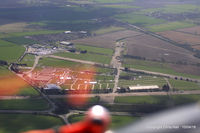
[(3, 63)]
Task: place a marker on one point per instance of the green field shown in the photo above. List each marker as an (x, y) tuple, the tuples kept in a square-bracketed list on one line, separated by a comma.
[(21, 34), (184, 85), (88, 57), (120, 6), (104, 70), (9, 51), (146, 65), (117, 121), (144, 80), (142, 99), (172, 9), (28, 59), (140, 20), (158, 100), (24, 104), (96, 50), (112, 1), (107, 30), (18, 123), (102, 77), (94, 99), (90, 100), (100, 1), (131, 74), (148, 10), (28, 91), (57, 18), (20, 40), (96, 54), (51, 62), (181, 8), (154, 67), (169, 26), (4, 71)]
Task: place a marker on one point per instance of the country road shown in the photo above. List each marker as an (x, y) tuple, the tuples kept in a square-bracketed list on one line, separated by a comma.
[(116, 63)]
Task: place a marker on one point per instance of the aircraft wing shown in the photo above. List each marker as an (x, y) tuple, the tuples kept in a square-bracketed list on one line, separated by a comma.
[(184, 119)]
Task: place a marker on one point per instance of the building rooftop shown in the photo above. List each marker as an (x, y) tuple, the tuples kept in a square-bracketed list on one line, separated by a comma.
[(52, 86), (143, 87), (66, 43)]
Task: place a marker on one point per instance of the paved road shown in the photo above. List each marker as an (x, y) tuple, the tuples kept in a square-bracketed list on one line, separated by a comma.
[(37, 58), (115, 63)]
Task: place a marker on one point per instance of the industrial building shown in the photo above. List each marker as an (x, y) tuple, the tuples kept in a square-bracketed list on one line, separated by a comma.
[(66, 43), (148, 88), (52, 89)]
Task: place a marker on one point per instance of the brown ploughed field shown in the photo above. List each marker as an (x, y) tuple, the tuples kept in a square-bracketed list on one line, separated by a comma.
[(107, 40)]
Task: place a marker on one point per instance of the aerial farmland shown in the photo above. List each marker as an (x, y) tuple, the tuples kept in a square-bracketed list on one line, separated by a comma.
[(59, 58)]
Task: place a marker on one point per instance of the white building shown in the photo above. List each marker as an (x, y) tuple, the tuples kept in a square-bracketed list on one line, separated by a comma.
[(68, 32), (66, 43), (139, 88)]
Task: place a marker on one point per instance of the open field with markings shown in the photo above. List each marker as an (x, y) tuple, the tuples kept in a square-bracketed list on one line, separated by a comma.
[(180, 70)]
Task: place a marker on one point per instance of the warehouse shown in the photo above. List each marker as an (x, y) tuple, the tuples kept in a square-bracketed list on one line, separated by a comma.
[(148, 88), (52, 89)]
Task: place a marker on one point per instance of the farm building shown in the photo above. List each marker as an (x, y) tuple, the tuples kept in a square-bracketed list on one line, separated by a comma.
[(68, 32), (66, 43), (144, 88)]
